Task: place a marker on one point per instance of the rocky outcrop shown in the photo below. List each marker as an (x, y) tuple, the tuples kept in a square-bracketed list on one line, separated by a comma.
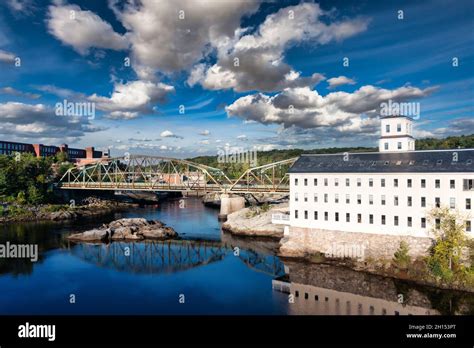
[(255, 221), (127, 229), (87, 208)]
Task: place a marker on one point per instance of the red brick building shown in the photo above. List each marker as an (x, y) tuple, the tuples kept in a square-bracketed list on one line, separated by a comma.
[(89, 154)]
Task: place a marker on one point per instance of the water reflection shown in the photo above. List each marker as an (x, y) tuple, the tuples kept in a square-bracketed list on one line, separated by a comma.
[(329, 290), (172, 256)]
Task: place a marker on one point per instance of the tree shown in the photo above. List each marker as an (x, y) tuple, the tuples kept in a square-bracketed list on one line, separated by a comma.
[(401, 259), (446, 258)]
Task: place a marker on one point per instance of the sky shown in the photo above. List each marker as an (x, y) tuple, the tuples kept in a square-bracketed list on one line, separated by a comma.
[(184, 78)]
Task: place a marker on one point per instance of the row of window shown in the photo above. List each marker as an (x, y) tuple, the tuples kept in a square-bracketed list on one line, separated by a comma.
[(383, 219), (383, 200), (399, 128), (399, 145), (348, 304), (14, 147), (468, 184)]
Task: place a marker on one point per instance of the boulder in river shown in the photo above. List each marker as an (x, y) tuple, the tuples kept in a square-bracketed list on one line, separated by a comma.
[(127, 229), (95, 235)]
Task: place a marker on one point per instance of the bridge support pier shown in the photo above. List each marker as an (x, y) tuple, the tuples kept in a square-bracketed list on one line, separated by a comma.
[(230, 204)]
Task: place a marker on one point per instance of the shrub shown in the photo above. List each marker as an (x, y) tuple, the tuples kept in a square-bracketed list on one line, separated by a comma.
[(401, 259)]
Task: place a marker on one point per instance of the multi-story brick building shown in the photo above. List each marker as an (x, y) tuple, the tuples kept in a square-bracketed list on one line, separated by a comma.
[(40, 150)]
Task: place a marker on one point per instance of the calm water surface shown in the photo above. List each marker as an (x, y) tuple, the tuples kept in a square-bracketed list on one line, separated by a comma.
[(216, 273)]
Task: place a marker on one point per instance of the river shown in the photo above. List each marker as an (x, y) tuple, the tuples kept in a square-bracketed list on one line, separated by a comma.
[(207, 272)]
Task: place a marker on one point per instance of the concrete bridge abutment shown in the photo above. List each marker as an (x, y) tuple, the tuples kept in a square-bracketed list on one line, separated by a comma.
[(230, 204)]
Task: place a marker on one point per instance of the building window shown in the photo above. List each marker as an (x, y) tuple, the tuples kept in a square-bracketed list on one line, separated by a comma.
[(359, 199), (315, 215), (348, 217), (437, 183), (395, 182), (296, 197), (325, 181), (371, 182), (468, 203), (348, 199), (399, 145), (383, 219), (359, 182), (399, 127), (383, 200), (452, 203), (371, 219), (468, 226), (386, 146), (348, 182), (315, 182), (437, 202), (423, 222), (423, 202), (315, 197), (395, 200), (296, 181), (468, 184), (382, 182), (336, 198), (452, 184), (306, 214), (325, 198), (305, 182), (423, 183), (409, 201), (387, 128), (371, 199), (409, 221), (296, 214), (359, 218), (336, 216), (336, 182), (326, 216), (437, 224), (409, 183), (395, 220), (305, 197)]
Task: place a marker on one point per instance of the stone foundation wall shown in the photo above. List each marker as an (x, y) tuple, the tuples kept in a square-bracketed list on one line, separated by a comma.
[(304, 241)]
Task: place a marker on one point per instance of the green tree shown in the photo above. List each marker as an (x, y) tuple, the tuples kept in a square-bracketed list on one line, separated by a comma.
[(401, 259), (446, 258)]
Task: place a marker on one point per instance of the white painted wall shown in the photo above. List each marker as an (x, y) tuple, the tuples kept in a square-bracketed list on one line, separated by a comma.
[(390, 210)]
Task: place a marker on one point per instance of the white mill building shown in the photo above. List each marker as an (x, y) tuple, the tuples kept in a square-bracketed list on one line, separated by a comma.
[(376, 199)]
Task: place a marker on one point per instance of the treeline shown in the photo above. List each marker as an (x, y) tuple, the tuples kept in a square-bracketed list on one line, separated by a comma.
[(26, 179), (265, 157), (463, 142)]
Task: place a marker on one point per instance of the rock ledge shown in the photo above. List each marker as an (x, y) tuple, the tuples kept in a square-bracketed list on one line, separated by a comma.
[(127, 229)]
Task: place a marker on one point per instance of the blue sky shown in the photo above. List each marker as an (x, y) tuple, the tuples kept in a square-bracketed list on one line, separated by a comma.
[(288, 89)]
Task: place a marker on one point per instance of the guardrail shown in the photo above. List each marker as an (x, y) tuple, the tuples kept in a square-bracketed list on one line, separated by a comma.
[(280, 218)]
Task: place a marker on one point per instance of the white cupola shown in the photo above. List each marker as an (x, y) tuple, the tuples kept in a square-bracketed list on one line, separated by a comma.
[(396, 134)]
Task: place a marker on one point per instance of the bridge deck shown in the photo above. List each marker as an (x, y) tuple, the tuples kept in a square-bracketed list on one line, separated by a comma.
[(169, 188)]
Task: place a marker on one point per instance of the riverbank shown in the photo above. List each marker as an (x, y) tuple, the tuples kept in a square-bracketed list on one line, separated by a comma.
[(60, 212), (256, 221)]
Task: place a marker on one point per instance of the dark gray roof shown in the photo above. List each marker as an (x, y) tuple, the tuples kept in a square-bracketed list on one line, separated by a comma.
[(437, 161)]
